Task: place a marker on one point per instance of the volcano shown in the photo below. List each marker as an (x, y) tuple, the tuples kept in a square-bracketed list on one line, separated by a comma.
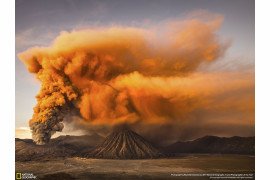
[(125, 144)]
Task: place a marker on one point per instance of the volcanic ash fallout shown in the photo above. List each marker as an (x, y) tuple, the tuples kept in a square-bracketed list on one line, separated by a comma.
[(119, 75)]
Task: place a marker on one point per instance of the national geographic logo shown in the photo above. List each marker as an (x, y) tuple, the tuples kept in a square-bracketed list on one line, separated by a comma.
[(18, 175), (25, 176)]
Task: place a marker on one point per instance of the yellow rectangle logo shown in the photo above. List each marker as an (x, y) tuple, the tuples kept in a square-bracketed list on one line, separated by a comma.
[(18, 175)]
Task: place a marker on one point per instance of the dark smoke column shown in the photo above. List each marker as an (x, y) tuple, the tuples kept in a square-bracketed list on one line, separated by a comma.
[(42, 132), (54, 99)]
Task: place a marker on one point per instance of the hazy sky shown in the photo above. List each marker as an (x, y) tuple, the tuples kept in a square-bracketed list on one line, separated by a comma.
[(39, 22)]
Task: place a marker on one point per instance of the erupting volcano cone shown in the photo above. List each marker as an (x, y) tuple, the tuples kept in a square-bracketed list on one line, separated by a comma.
[(125, 144)]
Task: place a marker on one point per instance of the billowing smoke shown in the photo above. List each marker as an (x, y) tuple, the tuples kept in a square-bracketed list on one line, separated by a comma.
[(120, 75)]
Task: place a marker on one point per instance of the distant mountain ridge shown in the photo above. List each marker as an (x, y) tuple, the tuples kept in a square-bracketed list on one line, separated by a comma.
[(127, 145), (214, 144)]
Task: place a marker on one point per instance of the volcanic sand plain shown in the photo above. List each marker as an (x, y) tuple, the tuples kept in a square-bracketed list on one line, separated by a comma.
[(88, 169)]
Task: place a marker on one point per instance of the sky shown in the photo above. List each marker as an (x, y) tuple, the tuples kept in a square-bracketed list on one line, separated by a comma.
[(38, 23)]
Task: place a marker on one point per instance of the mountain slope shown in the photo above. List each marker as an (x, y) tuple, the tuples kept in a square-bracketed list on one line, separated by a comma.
[(125, 144)]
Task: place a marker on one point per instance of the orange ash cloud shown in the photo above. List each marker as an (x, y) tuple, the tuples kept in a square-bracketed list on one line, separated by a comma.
[(115, 75)]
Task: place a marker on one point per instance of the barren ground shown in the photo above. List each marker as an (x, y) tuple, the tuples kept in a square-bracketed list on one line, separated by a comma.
[(78, 168)]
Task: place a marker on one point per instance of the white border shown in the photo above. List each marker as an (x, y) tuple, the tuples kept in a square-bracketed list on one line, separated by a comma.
[(7, 69), (262, 86)]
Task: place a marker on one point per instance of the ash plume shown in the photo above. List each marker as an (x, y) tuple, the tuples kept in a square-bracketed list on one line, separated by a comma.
[(120, 75)]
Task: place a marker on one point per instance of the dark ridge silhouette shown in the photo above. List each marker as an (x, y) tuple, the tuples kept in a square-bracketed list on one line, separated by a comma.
[(125, 144), (214, 144), (60, 147)]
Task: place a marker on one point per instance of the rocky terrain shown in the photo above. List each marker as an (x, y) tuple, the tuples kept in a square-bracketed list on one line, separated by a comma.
[(60, 147)]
